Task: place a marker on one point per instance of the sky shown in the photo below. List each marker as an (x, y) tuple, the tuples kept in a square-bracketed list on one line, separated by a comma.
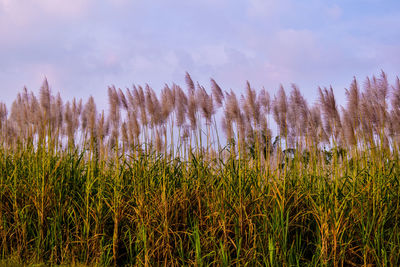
[(84, 46)]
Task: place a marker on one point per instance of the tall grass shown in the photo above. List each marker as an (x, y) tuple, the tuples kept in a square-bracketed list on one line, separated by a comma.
[(154, 182)]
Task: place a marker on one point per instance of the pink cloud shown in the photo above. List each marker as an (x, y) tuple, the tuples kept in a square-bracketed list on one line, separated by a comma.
[(26, 10), (23, 20), (67, 9), (294, 47)]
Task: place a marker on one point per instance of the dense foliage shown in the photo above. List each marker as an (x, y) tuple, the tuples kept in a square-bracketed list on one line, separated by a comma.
[(153, 183)]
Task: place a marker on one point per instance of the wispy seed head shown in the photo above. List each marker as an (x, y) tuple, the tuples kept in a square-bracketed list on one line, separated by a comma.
[(232, 106), (265, 101), (206, 103), (280, 110), (181, 105), (167, 102), (217, 92), (3, 111), (45, 96), (122, 99), (189, 83)]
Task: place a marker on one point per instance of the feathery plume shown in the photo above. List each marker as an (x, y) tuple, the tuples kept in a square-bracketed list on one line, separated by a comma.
[(280, 110), (189, 83), (192, 111), (265, 100), (153, 106), (192, 106), (140, 98), (101, 131), (131, 100), (69, 123), (56, 111), (11, 134), (45, 96), (395, 112), (167, 102), (114, 104), (180, 105), (122, 99), (149, 103), (395, 99), (348, 128), (373, 106), (3, 111), (134, 125), (251, 105), (206, 103), (353, 104), (227, 126), (232, 106), (297, 112), (114, 116), (217, 93), (377, 90), (124, 131), (77, 106), (234, 114), (330, 111), (158, 119), (383, 87), (76, 112), (159, 140), (103, 126), (243, 126), (59, 110), (16, 114), (315, 126), (33, 109), (89, 115)]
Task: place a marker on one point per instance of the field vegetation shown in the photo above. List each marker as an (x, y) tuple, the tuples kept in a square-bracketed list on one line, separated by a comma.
[(197, 177)]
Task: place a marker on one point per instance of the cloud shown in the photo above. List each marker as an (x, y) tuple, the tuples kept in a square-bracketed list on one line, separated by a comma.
[(84, 46), (24, 21), (24, 10), (334, 11), (262, 8), (214, 55), (294, 47), (69, 9)]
